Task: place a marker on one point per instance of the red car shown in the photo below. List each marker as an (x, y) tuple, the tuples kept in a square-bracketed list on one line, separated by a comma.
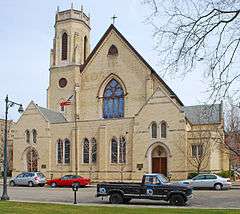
[(69, 180)]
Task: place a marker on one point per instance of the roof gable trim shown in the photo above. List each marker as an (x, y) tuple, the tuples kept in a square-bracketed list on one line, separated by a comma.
[(112, 27)]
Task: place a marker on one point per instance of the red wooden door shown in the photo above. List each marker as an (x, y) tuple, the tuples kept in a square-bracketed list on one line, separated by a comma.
[(159, 165), (163, 165), (155, 165)]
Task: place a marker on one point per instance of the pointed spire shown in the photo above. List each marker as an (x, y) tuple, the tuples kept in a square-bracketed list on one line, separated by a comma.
[(57, 9), (81, 8), (71, 13)]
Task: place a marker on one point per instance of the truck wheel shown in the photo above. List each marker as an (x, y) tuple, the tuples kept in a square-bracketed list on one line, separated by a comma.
[(126, 200), (116, 198), (177, 200)]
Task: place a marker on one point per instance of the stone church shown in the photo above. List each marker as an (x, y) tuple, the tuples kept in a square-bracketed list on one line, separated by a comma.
[(110, 116)]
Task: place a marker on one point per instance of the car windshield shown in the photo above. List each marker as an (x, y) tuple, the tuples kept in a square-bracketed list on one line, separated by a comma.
[(65, 177), (163, 179), (39, 174), (20, 175), (76, 176)]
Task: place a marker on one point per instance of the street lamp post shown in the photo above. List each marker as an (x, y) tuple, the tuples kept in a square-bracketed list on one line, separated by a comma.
[(5, 161)]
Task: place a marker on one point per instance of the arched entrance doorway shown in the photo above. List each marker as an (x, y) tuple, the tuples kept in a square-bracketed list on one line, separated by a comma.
[(32, 160), (159, 160)]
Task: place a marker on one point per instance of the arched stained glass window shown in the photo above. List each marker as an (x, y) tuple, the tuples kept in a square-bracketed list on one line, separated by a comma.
[(154, 130), (122, 150), (34, 133), (59, 151), (94, 150), (32, 160), (27, 132), (114, 151), (85, 151), (113, 100), (67, 151), (64, 46), (163, 130)]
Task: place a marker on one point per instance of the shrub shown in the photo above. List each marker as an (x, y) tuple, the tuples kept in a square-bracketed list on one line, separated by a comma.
[(9, 173), (226, 174)]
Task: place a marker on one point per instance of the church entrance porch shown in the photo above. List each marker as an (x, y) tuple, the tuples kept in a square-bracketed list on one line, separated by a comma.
[(158, 155)]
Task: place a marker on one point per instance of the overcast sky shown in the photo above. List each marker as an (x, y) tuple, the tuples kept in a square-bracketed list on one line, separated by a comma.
[(27, 30)]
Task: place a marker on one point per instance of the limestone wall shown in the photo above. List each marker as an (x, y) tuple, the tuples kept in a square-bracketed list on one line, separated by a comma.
[(31, 119)]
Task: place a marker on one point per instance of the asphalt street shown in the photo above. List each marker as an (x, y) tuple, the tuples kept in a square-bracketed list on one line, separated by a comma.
[(201, 198)]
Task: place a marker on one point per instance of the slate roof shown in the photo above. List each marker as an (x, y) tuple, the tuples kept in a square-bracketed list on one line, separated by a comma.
[(203, 114), (52, 116)]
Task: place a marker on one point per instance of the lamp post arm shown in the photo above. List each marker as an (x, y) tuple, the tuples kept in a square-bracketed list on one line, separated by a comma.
[(11, 103)]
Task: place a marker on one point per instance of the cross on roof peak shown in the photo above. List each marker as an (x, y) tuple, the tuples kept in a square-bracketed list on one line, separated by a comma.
[(113, 18)]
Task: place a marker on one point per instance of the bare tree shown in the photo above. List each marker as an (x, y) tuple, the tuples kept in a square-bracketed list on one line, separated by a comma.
[(93, 158), (205, 136), (199, 146), (32, 159), (233, 134), (90, 155), (199, 34), (118, 155), (204, 140)]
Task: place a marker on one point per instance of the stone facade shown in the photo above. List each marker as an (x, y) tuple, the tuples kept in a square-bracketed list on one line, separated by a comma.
[(81, 81)]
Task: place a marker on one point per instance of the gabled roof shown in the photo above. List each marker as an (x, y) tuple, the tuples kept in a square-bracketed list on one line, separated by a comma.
[(47, 114), (51, 116), (112, 27), (203, 114)]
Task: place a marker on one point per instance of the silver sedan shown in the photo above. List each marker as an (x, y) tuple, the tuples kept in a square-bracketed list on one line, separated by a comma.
[(28, 179), (208, 181)]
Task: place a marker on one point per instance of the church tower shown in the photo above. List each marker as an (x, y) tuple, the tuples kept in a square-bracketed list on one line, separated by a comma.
[(71, 47)]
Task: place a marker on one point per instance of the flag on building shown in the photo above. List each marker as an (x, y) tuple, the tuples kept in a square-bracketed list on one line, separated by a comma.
[(67, 102)]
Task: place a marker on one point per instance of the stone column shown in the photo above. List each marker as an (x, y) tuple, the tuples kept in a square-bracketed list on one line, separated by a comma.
[(102, 153)]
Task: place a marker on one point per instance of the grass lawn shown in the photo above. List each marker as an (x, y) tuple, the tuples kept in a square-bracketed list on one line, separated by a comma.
[(35, 208)]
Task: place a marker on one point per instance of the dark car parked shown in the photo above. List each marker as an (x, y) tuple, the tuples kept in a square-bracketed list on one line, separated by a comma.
[(153, 187)]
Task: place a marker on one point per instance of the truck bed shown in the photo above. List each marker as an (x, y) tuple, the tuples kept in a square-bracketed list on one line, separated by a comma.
[(120, 183)]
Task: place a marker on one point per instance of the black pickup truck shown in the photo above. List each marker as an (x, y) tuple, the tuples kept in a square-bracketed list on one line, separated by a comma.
[(153, 187)]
